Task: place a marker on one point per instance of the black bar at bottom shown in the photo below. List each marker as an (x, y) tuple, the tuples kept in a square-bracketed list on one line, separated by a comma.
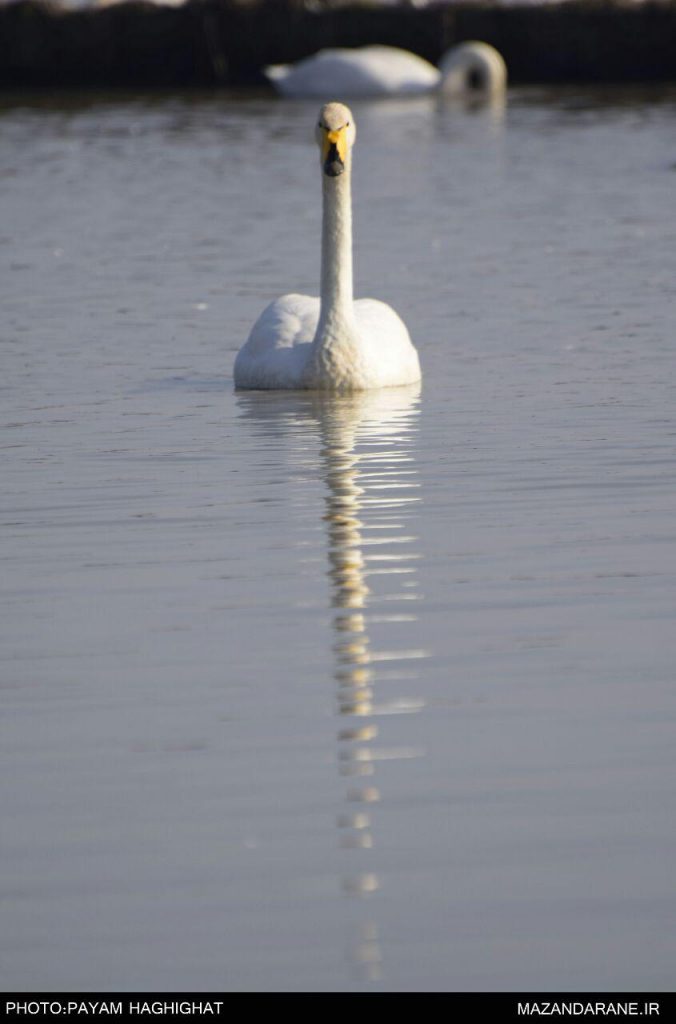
[(502, 1006)]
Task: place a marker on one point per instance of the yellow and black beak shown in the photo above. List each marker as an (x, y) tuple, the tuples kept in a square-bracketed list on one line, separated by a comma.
[(334, 152)]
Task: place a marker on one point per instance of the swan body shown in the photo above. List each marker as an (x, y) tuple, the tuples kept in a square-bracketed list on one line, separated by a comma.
[(330, 343), (388, 71)]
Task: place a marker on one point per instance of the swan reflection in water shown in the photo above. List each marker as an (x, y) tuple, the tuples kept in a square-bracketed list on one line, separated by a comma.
[(368, 464)]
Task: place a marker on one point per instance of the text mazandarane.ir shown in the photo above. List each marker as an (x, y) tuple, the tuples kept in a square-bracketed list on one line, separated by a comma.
[(595, 1009)]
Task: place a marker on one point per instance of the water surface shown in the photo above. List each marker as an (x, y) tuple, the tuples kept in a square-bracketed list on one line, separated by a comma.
[(370, 693)]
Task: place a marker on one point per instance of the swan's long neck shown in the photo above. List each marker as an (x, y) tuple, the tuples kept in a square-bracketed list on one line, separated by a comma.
[(336, 311), (335, 358)]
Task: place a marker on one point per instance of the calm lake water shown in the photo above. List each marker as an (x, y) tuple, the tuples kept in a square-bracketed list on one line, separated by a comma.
[(354, 694)]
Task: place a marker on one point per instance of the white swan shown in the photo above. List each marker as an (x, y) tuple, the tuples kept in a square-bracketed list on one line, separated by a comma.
[(470, 67), (331, 343)]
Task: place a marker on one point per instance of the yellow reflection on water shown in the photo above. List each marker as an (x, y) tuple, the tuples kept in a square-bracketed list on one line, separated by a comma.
[(368, 451), (368, 464)]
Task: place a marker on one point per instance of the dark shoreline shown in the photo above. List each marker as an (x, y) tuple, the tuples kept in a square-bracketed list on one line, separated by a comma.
[(211, 43)]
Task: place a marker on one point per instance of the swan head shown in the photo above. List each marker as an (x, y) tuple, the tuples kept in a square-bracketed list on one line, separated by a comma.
[(335, 134), (473, 67)]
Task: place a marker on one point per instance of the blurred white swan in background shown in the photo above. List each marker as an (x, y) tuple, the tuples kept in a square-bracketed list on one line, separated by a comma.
[(472, 67), (331, 343)]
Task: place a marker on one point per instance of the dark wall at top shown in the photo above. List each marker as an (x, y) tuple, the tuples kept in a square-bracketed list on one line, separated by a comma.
[(221, 42)]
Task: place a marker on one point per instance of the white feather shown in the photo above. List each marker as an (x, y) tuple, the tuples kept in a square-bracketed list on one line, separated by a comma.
[(388, 71), (330, 343)]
